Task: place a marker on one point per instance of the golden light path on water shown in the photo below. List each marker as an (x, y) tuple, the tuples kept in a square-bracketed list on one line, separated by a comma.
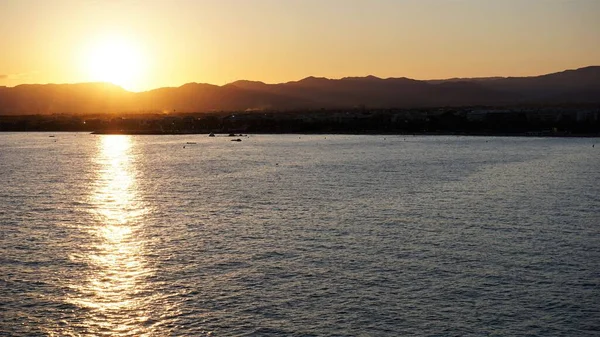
[(115, 293)]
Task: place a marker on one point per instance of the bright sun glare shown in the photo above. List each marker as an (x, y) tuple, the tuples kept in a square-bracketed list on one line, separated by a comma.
[(116, 60)]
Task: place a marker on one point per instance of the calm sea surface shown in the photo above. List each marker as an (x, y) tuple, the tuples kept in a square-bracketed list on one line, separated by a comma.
[(291, 235)]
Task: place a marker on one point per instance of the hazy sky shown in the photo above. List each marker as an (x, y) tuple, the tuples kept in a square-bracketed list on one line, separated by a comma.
[(172, 42)]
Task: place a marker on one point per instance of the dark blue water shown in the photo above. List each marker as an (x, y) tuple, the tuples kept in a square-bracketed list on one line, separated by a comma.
[(298, 236)]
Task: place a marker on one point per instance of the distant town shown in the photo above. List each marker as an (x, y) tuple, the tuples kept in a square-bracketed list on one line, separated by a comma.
[(567, 120)]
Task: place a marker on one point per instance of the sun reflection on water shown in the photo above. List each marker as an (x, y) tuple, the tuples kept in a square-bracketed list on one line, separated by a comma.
[(114, 291)]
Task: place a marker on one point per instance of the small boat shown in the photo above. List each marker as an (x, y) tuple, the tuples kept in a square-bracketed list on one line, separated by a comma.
[(191, 143), (236, 140)]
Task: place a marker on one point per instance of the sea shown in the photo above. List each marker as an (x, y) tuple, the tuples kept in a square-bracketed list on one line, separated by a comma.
[(298, 235)]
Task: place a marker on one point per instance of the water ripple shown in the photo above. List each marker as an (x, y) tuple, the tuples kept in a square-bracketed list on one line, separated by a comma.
[(344, 236)]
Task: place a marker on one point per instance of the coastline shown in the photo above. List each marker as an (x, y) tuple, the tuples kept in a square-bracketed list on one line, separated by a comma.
[(366, 133), (551, 121)]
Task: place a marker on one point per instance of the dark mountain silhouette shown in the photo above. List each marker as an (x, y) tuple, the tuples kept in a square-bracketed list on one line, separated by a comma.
[(571, 86), (465, 79)]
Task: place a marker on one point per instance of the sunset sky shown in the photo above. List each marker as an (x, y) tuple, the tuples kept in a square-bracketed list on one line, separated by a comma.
[(145, 44)]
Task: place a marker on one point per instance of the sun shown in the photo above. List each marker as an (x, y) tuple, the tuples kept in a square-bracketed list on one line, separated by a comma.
[(116, 60)]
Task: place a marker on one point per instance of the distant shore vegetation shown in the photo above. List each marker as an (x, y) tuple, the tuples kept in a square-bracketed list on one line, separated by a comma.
[(574, 120)]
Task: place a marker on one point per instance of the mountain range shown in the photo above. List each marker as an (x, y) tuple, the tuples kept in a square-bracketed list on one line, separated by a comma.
[(580, 86)]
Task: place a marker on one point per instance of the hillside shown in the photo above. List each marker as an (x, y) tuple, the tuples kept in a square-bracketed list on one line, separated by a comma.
[(571, 86)]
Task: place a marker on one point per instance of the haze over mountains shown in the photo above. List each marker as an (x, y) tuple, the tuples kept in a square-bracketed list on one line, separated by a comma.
[(581, 86)]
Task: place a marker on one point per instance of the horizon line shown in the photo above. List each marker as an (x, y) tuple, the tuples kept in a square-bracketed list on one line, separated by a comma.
[(305, 78)]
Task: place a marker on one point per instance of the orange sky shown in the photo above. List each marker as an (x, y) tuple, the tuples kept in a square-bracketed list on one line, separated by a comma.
[(145, 44)]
